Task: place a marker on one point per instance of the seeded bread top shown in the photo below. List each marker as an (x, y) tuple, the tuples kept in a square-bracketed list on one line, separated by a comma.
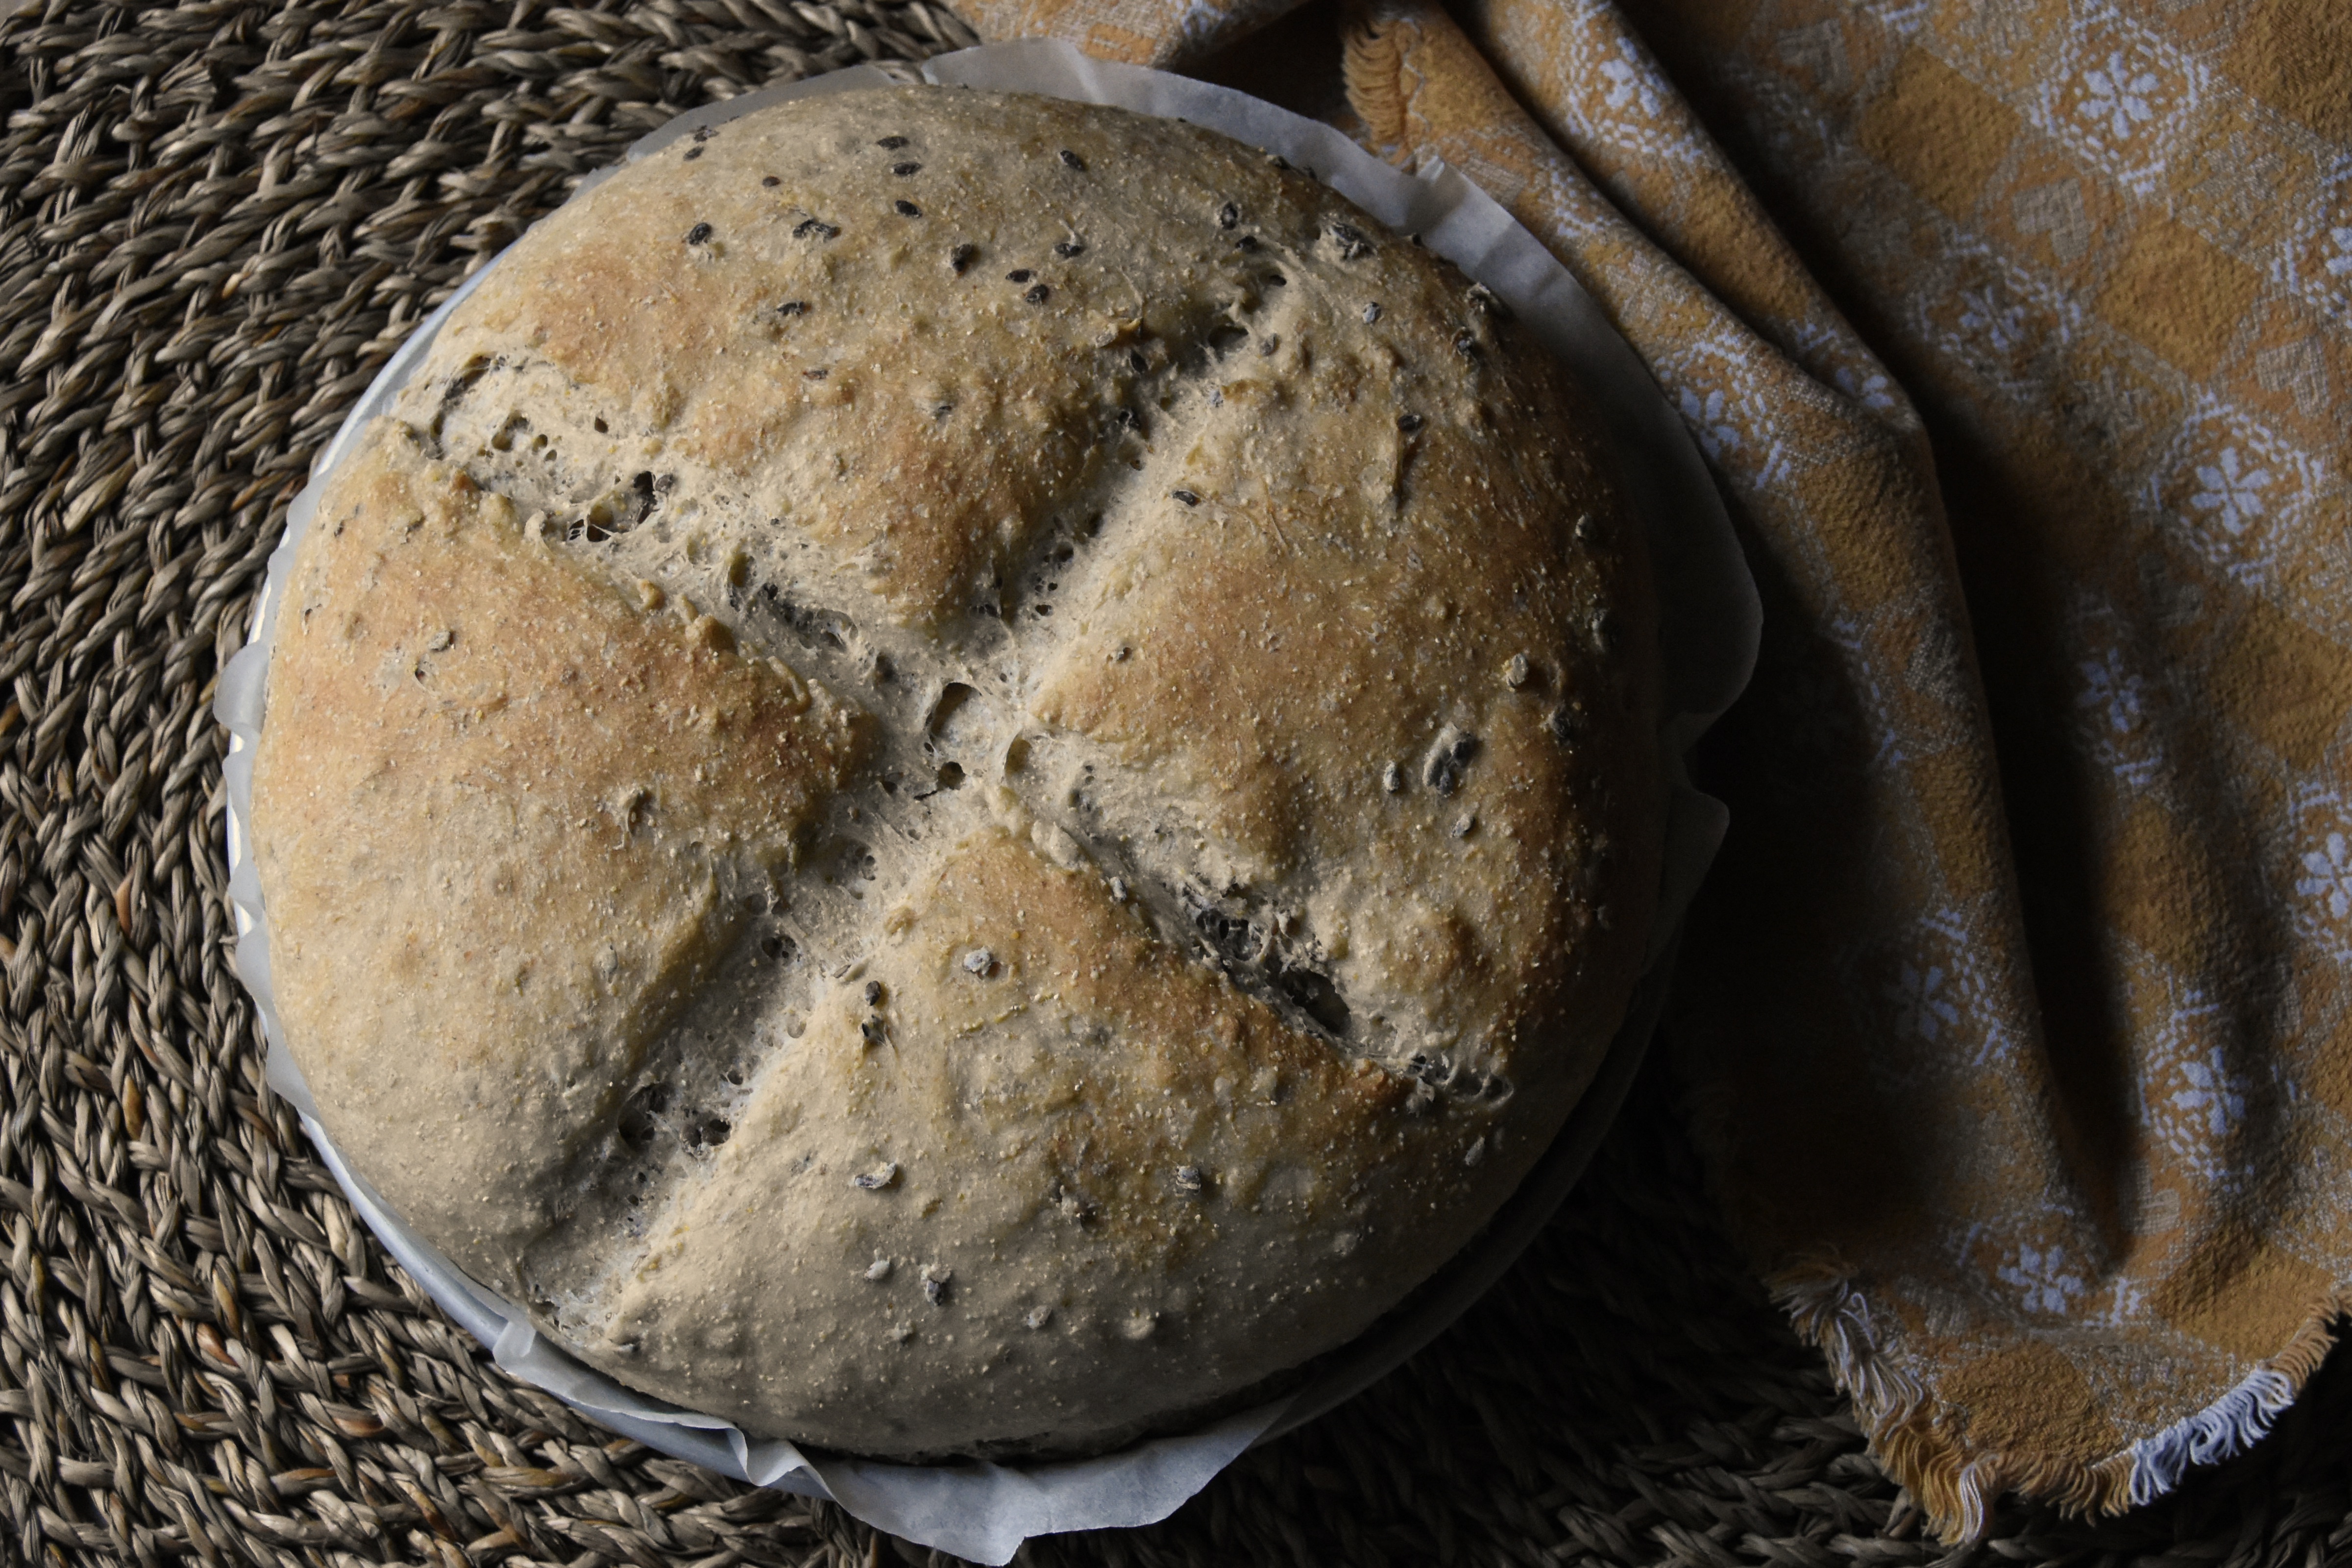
[(964, 771)]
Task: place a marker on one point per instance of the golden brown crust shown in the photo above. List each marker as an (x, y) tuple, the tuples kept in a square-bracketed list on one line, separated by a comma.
[(1093, 1148), (497, 809), (1237, 862)]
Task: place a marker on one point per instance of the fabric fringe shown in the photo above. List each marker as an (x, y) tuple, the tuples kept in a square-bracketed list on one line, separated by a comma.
[(2245, 1416), (1822, 1301), (1911, 1438), (1372, 55)]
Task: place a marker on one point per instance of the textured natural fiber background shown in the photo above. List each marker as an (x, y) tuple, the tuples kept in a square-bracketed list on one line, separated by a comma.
[(215, 222)]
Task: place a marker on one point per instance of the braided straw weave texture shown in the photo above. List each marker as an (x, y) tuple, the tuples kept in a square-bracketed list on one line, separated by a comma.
[(217, 221)]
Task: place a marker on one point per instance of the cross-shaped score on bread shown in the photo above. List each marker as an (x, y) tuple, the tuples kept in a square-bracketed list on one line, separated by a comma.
[(963, 775)]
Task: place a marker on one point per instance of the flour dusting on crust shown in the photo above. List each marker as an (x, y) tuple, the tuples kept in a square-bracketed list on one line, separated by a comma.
[(964, 771)]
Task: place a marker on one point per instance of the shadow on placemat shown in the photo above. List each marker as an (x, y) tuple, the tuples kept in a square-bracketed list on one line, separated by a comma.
[(217, 221)]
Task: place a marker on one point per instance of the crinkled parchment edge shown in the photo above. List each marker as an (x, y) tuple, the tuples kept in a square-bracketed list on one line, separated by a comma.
[(1709, 617)]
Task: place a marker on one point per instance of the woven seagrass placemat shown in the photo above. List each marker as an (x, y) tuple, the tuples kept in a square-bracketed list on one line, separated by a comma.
[(215, 223)]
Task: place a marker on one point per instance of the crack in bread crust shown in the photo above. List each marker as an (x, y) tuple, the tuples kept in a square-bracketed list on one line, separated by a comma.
[(1212, 849)]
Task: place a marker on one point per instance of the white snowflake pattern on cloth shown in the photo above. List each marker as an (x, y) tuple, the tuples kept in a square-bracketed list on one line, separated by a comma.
[(1709, 417), (1631, 84), (2340, 263), (2208, 1096), (1997, 326), (2319, 868), (2189, 1097), (2119, 96), (2232, 489), (2326, 879), (1924, 1009), (2118, 698), (1874, 392), (1928, 984), (2114, 691), (2041, 1273)]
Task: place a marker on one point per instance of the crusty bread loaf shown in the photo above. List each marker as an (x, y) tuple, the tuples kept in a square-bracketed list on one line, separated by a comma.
[(964, 771)]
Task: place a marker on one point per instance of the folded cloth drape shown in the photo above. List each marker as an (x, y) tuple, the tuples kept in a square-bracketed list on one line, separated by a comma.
[(2017, 336)]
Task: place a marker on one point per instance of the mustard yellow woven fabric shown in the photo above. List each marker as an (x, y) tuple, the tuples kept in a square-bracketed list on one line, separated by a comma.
[(2018, 335)]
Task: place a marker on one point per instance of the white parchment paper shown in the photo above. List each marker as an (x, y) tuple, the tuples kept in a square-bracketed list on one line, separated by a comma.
[(1708, 629)]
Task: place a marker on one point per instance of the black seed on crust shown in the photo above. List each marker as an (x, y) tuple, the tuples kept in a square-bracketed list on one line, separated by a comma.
[(771, 181), (960, 256), (819, 373), (692, 153), (1230, 939), (1187, 497), (1019, 275), (907, 209), (1246, 242), (1137, 363), (891, 144), (814, 225), (1072, 160), (1069, 248), (792, 308), (1447, 764), (1037, 296), (1353, 242), (1408, 423), (1228, 215), (698, 235), (904, 169)]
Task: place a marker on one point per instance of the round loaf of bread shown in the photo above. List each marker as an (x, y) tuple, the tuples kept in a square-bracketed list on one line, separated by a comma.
[(964, 772)]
